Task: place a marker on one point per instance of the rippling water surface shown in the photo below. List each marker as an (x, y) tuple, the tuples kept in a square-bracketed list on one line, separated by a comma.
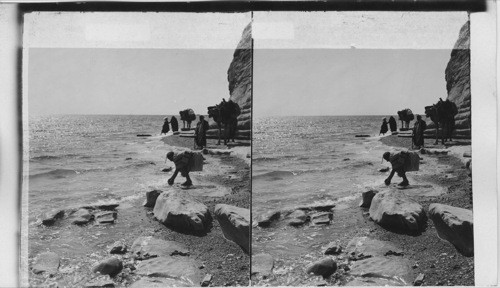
[(77, 159), (297, 160)]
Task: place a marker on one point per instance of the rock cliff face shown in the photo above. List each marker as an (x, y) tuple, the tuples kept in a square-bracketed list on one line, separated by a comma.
[(458, 80), (457, 75), (239, 76)]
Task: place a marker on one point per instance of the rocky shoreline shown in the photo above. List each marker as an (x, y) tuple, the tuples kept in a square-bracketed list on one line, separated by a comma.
[(392, 239), (136, 243)]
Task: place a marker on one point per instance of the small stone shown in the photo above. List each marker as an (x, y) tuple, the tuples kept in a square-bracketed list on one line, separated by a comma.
[(333, 249), (433, 266), (111, 266), (324, 267), (206, 280), (367, 197), (128, 158), (321, 218), (81, 216), (151, 197), (297, 218), (419, 280), (415, 266), (50, 217), (105, 217), (394, 253), (119, 247), (265, 219)]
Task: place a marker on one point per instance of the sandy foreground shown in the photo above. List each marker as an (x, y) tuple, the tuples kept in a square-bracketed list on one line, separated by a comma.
[(225, 179)]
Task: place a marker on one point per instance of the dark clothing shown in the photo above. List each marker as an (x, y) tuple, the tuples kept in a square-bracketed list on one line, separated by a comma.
[(175, 124), (183, 162), (418, 133), (399, 162), (165, 127), (392, 124), (200, 133), (383, 128)]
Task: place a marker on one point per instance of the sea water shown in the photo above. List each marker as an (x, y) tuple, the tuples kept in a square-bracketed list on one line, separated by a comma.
[(298, 161), (82, 159)]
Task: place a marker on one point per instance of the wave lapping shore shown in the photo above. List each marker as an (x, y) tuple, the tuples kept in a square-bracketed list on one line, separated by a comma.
[(87, 223), (309, 228)]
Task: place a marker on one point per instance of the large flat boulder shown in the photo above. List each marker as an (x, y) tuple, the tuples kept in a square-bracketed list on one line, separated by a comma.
[(397, 212), (183, 269), (182, 212), (148, 247), (235, 224), (46, 262), (370, 247), (380, 269), (454, 225)]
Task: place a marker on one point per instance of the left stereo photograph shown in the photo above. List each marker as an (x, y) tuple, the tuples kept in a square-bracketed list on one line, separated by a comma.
[(136, 149)]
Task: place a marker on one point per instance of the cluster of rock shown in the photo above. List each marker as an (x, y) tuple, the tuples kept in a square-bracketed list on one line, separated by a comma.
[(104, 213), (370, 262), (314, 214), (367, 262), (397, 212), (157, 262), (182, 212)]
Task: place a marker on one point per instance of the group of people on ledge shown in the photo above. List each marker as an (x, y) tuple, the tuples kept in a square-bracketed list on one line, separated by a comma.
[(417, 133), (200, 132)]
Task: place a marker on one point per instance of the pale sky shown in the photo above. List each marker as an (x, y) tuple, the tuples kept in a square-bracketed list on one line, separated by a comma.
[(351, 63), (329, 63), (128, 63), (126, 81), (347, 81)]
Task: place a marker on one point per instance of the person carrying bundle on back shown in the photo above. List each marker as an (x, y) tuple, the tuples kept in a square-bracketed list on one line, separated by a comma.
[(185, 162), (182, 164), (401, 163)]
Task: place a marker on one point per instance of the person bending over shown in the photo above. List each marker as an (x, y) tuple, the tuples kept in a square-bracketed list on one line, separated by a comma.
[(398, 162), (182, 163)]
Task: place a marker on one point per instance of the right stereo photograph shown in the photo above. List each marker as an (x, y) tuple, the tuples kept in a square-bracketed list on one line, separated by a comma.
[(361, 152)]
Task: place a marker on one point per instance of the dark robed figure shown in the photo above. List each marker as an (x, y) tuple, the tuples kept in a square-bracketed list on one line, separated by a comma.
[(392, 124), (383, 128), (165, 128), (200, 133), (418, 132), (175, 124)]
